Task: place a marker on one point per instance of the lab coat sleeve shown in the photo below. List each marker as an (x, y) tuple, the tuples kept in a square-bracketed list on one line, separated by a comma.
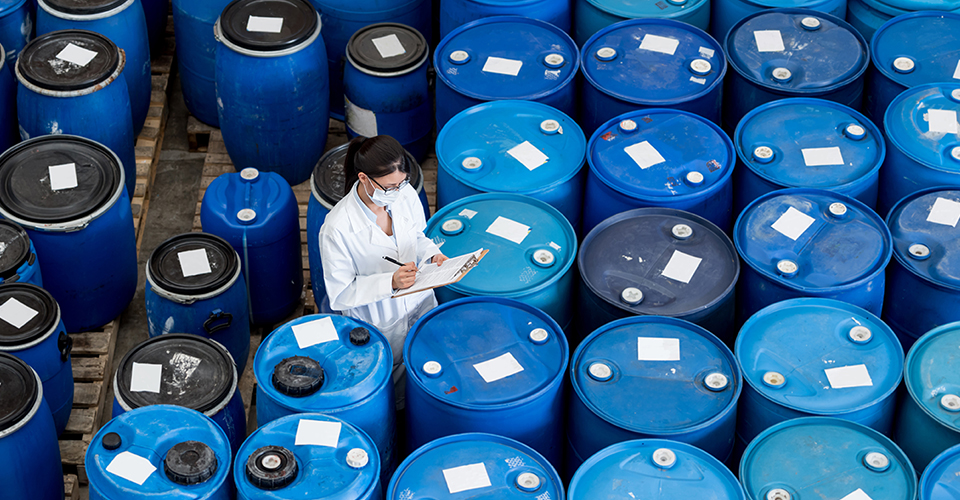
[(426, 248), (345, 288)]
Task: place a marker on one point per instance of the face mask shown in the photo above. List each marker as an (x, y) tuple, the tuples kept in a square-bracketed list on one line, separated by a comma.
[(381, 198)]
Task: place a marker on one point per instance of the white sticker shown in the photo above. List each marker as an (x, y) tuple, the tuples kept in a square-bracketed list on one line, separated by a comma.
[(502, 66), (131, 467), (194, 262), (792, 223), (182, 365), (466, 212), (509, 229), (660, 44), (658, 349), (76, 55), (318, 433), (389, 46), (818, 157), (17, 313), (681, 267), (145, 378), (498, 368), (528, 155), (768, 41), (554, 246), (956, 72), (701, 81), (63, 176), (264, 24), (857, 495), (467, 477), (705, 52), (849, 376), (942, 121), (944, 211), (644, 154), (315, 332), (362, 121)]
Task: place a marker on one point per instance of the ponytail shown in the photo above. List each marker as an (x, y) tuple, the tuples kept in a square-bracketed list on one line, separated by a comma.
[(375, 156)]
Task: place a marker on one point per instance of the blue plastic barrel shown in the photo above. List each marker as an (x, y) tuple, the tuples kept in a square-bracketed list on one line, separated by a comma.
[(650, 63), (385, 86), (196, 55), (868, 16), (941, 479), (16, 27), (659, 158), (475, 465), (810, 243), (83, 235), (809, 143), (66, 96), (725, 13), (520, 147), (531, 247), (456, 13), (272, 86), (505, 57), (195, 285), (159, 451), (9, 135), (780, 53), (308, 455), (257, 214), (18, 261), (651, 377), (592, 16)]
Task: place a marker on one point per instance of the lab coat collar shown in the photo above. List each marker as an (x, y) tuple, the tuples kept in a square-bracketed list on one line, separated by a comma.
[(359, 222)]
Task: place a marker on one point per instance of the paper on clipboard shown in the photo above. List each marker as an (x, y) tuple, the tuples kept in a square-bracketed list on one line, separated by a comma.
[(433, 276)]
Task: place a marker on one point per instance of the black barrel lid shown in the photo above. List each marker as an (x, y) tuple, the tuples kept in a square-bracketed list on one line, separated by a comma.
[(14, 247), (299, 23), (196, 372), (190, 462), (271, 467), (368, 46), (83, 7), (26, 297), (25, 179), (328, 177), (298, 376), (39, 64), (18, 390), (166, 272)]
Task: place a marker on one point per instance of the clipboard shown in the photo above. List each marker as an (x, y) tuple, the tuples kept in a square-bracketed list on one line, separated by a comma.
[(429, 277)]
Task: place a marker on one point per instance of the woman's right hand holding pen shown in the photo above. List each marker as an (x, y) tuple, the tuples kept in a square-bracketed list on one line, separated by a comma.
[(405, 276)]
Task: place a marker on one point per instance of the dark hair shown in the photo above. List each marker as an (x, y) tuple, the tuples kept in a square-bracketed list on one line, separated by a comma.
[(375, 156)]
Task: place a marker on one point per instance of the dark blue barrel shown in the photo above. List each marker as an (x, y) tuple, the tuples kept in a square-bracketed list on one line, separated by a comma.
[(272, 86), (941, 479), (83, 234), (658, 262), (28, 437), (16, 27), (780, 53), (868, 16), (81, 92), (809, 143), (532, 250), (195, 285), (659, 158), (475, 465), (308, 455), (810, 243), (333, 365), (593, 16), (196, 55), (456, 13), (18, 261), (500, 146), (725, 13), (155, 12), (823, 457), (257, 214), (9, 135), (675, 66), (385, 86), (505, 57), (921, 153), (123, 22), (159, 452), (687, 375)]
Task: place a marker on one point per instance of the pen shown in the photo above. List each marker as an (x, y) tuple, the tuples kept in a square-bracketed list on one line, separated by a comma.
[(388, 259)]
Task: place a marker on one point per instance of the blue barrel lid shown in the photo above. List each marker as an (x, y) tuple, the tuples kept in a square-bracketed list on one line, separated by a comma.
[(307, 455), (680, 262), (932, 143), (811, 239), (511, 146), (10, 5), (138, 455), (631, 9), (689, 372), (531, 244), (925, 239), (249, 198), (340, 361), (941, 478), (485, 465), (799, 51), (661, 154), (803, 142), (653, 62), (826, 457), (653, 469), (506, 57), (931, 374), (912, 60), (819, 356)]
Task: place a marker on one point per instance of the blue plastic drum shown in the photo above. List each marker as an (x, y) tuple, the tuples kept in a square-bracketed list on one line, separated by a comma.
[(941, 479), (9, 135), (868, 16), (18, 261), (16, 27), (726, 13), (592, 16), (155, 12), (196, 55), (456, 13)]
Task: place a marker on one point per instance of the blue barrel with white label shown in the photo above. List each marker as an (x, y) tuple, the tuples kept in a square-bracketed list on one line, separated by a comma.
[(196, 51), (725, 13), (456, 13), (868, 16), (9, 135), (18, 261), (308, 455), (689, 377), (659, 158), (809, 143), (159, 451), (505, 57), (780, 53), (810, 243), (475, 465), (520, 147), (675, 66), (592, 16), (531, 246), (16, 27), (941, 478)]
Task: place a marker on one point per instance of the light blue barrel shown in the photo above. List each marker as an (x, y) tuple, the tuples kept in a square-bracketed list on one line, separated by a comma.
[(726, 13), (9, 135), (505, 58), (520, 147), (16, 27), (867, 16), (941, 479), (456, 13), (531, 247), (591, 16), (18, 262), (659, 158), (159, 451), (196, 55), (807, 143)]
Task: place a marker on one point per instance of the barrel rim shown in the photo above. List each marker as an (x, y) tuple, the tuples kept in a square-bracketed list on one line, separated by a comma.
[(220, 37), (71, 14), (167, 286), (894, 138), (902, 259), (29, 80), (16, 5), (28, 250), (683, 12), (14, 422), (911, 361), (397, 71), (946, 457), (43, 330), (894, 11), (927, 12)]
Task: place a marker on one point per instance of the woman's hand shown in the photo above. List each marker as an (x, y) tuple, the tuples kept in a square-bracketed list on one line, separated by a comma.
[(405, 276), (439, 259)]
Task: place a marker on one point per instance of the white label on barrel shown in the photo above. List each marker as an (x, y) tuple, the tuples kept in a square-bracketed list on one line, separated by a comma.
[(681, 267), (644, 154), (818, 157), (509, 229), (315, 332), (857, 495), (145, 378), (182, 367), (658, 349), (76, 55), (768, 41), (660, 44), (466, 212), (944, 211), (17, 313), (502, 66), (362, 121), (956, 72), (701, 81), (133, 468), (467, 477), (264, 24), (389, 46), (942, 121), (792, 223), (318, 433), (194, 262), (63, 176), (849, 376), (528, 155), (705, 52), (554, 246), (498, 368)]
